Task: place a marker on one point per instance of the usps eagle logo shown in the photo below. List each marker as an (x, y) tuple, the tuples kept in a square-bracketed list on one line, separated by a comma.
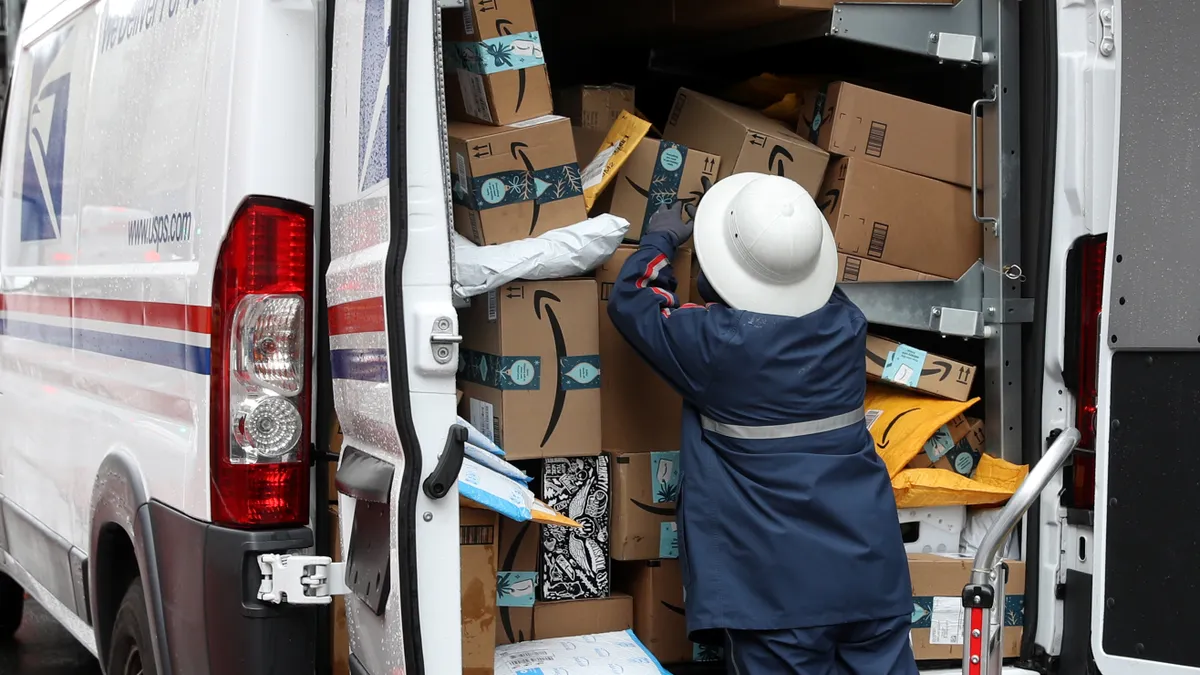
[(45, 139)]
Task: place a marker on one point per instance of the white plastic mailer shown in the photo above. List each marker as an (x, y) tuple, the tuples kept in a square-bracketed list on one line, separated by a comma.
[(599, 654), (565, 252)]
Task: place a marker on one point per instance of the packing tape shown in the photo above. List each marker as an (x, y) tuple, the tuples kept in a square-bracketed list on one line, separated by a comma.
[(664, 182), (524, 373), (498, 54), (503, 188), (814, 126)]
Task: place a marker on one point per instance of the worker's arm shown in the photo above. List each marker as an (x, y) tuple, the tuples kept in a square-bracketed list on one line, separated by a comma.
[(681, 341)]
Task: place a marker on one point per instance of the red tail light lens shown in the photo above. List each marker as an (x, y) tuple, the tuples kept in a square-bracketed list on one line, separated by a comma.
[(260, 364), (1090, 270)]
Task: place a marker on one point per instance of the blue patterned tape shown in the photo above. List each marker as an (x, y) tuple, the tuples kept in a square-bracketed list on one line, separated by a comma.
[(498, 54), (541, 186), (518, 373)]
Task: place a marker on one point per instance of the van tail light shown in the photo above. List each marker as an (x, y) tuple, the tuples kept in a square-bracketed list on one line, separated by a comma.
[(262, 317), (1086, 266)]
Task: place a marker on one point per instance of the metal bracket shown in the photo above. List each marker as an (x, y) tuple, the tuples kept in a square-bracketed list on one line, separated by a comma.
[(451, 4), (442, 339), (958, 47), (1012, 310), (300, 579), (1108, 35)]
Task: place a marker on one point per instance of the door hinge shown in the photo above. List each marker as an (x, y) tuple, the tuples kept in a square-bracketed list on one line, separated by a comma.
[(443, 339), (1108, 35), (300, 579)]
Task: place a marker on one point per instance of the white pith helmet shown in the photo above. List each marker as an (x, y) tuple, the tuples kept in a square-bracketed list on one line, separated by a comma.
[(764, 246)]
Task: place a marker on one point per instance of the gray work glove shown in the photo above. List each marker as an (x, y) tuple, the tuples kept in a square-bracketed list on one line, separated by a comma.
[(669, 220)]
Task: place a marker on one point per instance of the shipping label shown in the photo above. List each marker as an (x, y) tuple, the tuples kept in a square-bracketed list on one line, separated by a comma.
[(474, 95)]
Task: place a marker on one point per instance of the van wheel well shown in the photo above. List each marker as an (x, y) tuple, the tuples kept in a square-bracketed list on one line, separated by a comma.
[(115, 567)]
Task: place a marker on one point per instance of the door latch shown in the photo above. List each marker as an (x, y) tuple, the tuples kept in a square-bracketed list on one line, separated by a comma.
[(300, 579), (442, 339)]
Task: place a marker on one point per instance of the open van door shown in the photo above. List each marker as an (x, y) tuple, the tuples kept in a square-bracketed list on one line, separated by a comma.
[(1147, 553), (393, 337)]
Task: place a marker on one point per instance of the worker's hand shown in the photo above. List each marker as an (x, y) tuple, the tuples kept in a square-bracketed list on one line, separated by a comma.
[(669, 220), (690, 204)]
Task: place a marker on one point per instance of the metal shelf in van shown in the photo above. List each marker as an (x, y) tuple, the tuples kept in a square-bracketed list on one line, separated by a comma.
[(946, 307)]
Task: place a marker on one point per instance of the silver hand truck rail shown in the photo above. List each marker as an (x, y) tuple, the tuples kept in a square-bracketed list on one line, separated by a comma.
[(983, 597)]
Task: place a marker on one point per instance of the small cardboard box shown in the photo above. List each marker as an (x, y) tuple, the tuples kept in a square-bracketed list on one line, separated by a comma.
[(906, 366), (854, 121), (529, 368), (627, 381), (495, 71), (659, 618), (592, 111), (339, 643), (937, 618), (656, 173), (645, 488), (853, 269), (569, 618), (902, 219), (477, 531), (516, 582), (955, 447), (574, 562), (514, 182), (745, 140)]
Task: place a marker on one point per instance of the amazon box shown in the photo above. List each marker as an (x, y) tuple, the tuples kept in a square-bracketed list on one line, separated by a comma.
[(339, 639), (937, 616), (574, 562), (901, 133), (495, 72), (853, 269), (627, 382), (910, 367), (569, 618), (955, 447), (659, 619), (745, 140), (529, 368), (516, 581), (902, 219), (645, 488), (592, 111), (477, 556), (514, 182), (656, 173)]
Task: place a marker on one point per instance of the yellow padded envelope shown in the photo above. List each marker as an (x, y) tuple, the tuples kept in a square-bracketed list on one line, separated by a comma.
[(901, 421)]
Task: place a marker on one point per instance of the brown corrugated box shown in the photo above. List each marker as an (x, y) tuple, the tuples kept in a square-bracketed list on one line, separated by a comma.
[(645, 487), (853, 269), (627, 382), (966, 440), (901, 218), (659, 618), (592, 110), (568, 618), (658, 172), (493, 98), (893, 131), (529, 368), (940, 376), (941, 579), (744, 139), (514, 182), (516, 581), (477, 554)]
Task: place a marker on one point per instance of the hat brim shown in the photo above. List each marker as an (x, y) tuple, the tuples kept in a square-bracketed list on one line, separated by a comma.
[(736, 285)]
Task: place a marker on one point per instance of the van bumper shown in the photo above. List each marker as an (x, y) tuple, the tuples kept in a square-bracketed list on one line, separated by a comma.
[(210, 620)]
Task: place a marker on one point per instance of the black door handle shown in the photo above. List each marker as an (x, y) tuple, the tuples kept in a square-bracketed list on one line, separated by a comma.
[(438, 483)]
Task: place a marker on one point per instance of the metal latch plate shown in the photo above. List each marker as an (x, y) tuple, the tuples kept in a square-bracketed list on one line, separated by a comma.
[(300, 579)]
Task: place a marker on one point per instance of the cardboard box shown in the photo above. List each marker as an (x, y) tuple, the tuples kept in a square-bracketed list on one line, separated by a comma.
[(853, 269), (906, 366), (574, 561), (592, 111), (514, 182), (745, 140), (645, 488), (659, 618), (955, 447), (627, 381), (902, 219), (339, 646), (477, 554), (937, 583), (656, 173), (516, 581), (530, 368), (568, 618), (495, 71), (854, 121)]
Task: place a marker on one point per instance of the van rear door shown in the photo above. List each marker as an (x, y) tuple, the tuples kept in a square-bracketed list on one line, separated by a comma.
[(393, 337), (1147, 554)]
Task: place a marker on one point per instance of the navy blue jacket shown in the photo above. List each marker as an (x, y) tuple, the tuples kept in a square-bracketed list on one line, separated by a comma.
[(774, 533)]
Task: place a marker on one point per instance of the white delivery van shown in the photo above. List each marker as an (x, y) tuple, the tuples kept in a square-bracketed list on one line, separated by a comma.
[(222, 220)]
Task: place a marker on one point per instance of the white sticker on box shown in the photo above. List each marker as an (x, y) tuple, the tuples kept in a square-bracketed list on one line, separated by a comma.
[(594, 171), (474, 94), (871, 416), (468, 21), (481, 418), (946, 622), (493, 309), (536, 121)]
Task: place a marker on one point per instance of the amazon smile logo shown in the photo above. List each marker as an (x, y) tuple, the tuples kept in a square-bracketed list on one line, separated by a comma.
[(571, 372)]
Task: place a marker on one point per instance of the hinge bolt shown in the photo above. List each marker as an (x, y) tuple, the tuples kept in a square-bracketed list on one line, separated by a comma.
[(975, 633), (974, 659), (427, 517)]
